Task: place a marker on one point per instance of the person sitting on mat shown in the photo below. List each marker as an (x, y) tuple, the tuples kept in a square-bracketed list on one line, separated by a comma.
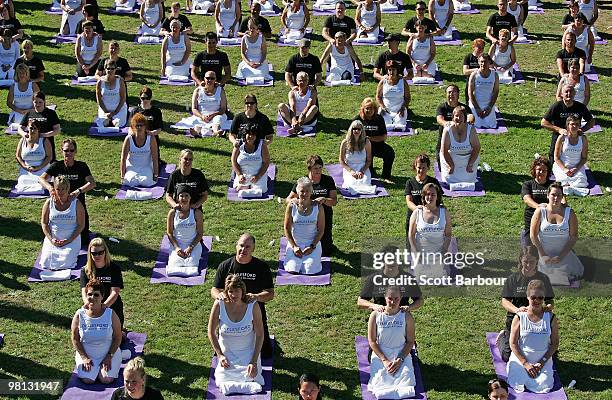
[(568, 52), (414, 186), (209, 106), (191, 178), (237, 344), (153, 115), (111, 95), (175, 14), (534, 338), (534, 191), (444, 113), (72, 14), (394, 53), (339, 22), (12, 23), (206, 6), (303, 61), (151, 14), (96, 336), (431, 27), (391, 336), (343, 59), (581, 84), (442, 12), (100, 266), (135, 383), (497, 389), (184, 227), (176, 49), (568, 19), (250, 162), (585, 40), (483, 89), (261, 21), (90, 14), (295, 20), (355, 159), (591, 11), (211, 59), (309, 387), (139, 157), (514, 295), (571, 153), (251, 117), (304, 227), (302, 109), (49, 123), (227, 18), (459, 152), (422, 52), (20, 97), (517, 10), (393, 96), (253, 50), (503, 57), (88, 50), (501, 20), (122, 68), (34, 63), (9, 54), (367, 20), (34, 153), (470, 62)]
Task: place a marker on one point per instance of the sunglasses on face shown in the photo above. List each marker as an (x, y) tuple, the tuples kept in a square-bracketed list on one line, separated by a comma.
[(249, 103), (209, 78), (145, 98), (98, 253), (68, 150), (536, 298)]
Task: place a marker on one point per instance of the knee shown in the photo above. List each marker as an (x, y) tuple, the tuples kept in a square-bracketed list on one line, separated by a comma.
[(281, 107), (106, 379), (87, 381), (315, 109)]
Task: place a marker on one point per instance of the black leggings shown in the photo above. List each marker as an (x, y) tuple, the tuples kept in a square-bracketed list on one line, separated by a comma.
[(386, 152)]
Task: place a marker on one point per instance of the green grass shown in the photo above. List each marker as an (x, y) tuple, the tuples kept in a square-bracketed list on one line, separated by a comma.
[(314, 326)]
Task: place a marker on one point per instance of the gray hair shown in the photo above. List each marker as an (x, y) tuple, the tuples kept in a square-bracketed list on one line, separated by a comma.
[(305, 183)]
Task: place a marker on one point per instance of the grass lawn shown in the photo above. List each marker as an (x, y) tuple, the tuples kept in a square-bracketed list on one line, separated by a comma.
[(315, 326)]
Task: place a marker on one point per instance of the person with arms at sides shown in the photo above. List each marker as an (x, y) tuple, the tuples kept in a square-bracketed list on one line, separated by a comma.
[(394, 54), (33, 154), (591, 12), (514, 295), (391, 335), (62, 221), (571, 153), (459, 152), (555, 118), (187, 176), (262, 23), (376, 131), (339, 22), (153, 115), (367, 20), (502, 20), (227, 18), (414, 186), (122, 68), (175, 14), (72, 14), (151, 15), (535, 191), (497, 389), (422, 52), (444, 113), (175, 52), (88, 15), (295, 19), (303, 61), (302, 109), (503, 57), (250, 162), (111, 96), (49, 123), (34, 63), (393, 96), (9, 54), (569, 52), (139, 158), (209, 106), (96, 337), (355, 159), (410, 29), (78, 174), (581, 84), (585, 40), (251, 117), (342, 59), (516, 8), (372, 296), (483, 89), (304, 227), (11, 23), (184, 228), (572, 12), (309, 387), (253, 51), (101, 267), (88, 50), (534, 339), (442, 12), (324, 193), (211, 59), (20, 97), (235, 331), (135, 383), (470, 62), (256, 276)]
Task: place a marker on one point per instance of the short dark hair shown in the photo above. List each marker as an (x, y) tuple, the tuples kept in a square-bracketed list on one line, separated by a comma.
[(314, 160), (539, 162), (95, 285), (211, 35), (497, 383), (40, 95), (421, 158), (71, 141)]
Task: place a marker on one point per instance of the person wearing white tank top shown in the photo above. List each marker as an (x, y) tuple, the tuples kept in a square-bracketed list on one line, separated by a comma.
[(391, 335), (459, 152), (534, 338), (295, 19), (585, 40), (176, 49), (20, 98), (72, 14), (554, 231), (422, 51), (393, 97), (254, 67), (139, 156), (442, 12), (209, 107), (236, 334), (184, 227), (503, 57), (517, 10), (34, 153), (250, 162), (87, 50), (367, 19), (302, 110), (355, 159), (483, 88), (582, 87), (111, 97), (9, 53), (151, 14), (591, 12), (571, 152), (342, 58), (125, 5), (227, 18)]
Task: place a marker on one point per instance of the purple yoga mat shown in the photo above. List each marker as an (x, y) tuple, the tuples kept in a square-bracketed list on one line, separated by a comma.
[(362, 349), (114, 11), (51, 11), (75, 82), (538, 10), (286, 278), (76, 390), (479, 190), (63, 39), (232, 194), (407, 132), (157, 190), (399, 10), (213, 392), (592, 75), (281, 38), (455, 41), (596, 128), (335, 171), (148, 43), (595, 189), (164, 81), (282, 127), (518, 77), (317, 12), (1, 340), (557, 392), (437, 82), (93, 131), (468, 12), (38, 195), (601, 42), (75, 273), (379, 40), (159, 270), (243, 82), (499, 129)]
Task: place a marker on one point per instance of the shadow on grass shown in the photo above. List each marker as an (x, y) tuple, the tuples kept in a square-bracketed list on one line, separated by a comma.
[(333, 125), (503, 182), (171, 369), (590, 378), (26, 314), (438, 377), (9, 272), (24, 230), (521, 121), (20, 366)]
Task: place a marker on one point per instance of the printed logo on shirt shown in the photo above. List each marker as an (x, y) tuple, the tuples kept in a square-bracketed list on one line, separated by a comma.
[(70, 177)]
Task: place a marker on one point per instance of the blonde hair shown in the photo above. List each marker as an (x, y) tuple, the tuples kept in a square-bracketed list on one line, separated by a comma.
[(90, 267), (25, 43), (355, 144), (136, 365), (185, 152), (61, 182), (21, 68), (234, 281)]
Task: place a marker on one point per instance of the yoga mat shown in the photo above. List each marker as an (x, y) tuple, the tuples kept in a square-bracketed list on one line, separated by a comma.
[(557, 392), (282, 127), (77, 390), (518, 77), (1, 340), (594, 188), (63, 39), (407, 132), (596, 128), (478, 191), (38, 195), (399, 10), (226, 127), (437, 81), (592, 75), (114, 11), (232, 194), (156, 190), (75, 82), (164, 81), (234, 42), (53, 11), (159, 41), (356, 81), (501, 125), (468, 12), (284, 278), (455, 41), (335, 171), (159, 270), (243, 82), (537, 10), (276, 12), (196, 12), (281, 37), (75, 273), (319, 12), (601, 42), (213, 392), (93, 131), (362, 349), (380, 40)]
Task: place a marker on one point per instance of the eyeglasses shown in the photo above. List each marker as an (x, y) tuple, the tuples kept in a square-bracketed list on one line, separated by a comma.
[(145, 98), (356, 129), (249, 103), (68, 150), (420, 9), (210, 78), (98, 253), (94, 294), (536, 298)]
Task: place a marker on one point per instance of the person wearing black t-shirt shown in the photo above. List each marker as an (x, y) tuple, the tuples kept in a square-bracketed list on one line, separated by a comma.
[(185, 175), (211, 59), (186, 26), (502, 20), (573, 11), (89, 14), (251, 116), (444, 113), (568, 52), (414, 186), (324, 193), (303, 61), (257, 277), (535, 191), (123, 68), (431, 27), (34, 63), (47, 118), (556, 117), (470, 62), (10, 23), (394, 54), (155, 121), (339, 22), (514, 294), (77, 173), (376, 130), (99, 266), (262, 23)]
